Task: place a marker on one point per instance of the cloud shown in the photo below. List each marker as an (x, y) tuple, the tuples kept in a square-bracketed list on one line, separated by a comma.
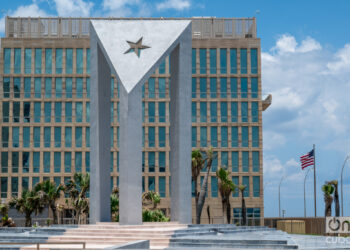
[(288, 44), (31, 10), (76, 8), (125, 8), (178, 5)]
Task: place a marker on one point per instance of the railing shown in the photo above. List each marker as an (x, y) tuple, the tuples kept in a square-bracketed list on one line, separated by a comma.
[(44, 243)]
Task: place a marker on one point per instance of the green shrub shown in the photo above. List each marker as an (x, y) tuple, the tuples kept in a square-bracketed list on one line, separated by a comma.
[(154, 216)]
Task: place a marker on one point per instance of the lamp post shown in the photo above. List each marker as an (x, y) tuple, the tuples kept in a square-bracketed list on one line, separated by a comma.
[(341, 185), (304, 191), (279, 197)]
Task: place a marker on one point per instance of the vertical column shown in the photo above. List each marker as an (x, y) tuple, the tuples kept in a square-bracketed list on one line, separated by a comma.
[(99, 134), (130, 156), (180, 130)]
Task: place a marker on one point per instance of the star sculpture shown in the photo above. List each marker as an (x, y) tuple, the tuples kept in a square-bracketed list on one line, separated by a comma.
[(136, 47)]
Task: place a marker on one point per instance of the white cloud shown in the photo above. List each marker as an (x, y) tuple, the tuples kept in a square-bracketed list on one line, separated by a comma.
[(342, 62), (124, 8), (288, 44), (178, 5), (73, 8), (31, 10)]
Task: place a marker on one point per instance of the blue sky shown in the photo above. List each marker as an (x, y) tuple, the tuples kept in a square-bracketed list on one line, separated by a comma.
[(305, 66)]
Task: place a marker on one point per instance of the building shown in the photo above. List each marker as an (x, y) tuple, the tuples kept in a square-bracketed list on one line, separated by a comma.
[(45, 109)]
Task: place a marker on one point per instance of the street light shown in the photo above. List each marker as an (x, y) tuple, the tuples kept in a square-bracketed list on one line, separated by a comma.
[(279, 196), (341, 186), (304, 191)]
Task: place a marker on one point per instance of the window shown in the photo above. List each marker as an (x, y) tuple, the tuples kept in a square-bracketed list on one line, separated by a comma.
[(58, 87), (25, 183), (233, 61), (244, 87), (224, 158), (6, 87), (87, 112), (202, 61), (48, 61), (4, 162), (59, 56), (88, 61), (58, 111), (254, 61), (151, 183), (57, 162), (224, 137), (194, 56), (87, 161), (47, 111), (5, 136), (203, 136), (36, 137), (223, 111), (244, 111), (223, 87), (47, 137), (151, 87), (234, 112), (213, 112), (223, 61), (245, 161), (79, 61), (194, 87), (255, 111), (67, 162), (27, 87), (69, 87), (26, 111), (16, 111), (57, 137), (256, 186), (234, 137), (37, 87), (244, 66), (7, 61), (194, 137), (213, 89), (151, 112), (79, 87), (194, 112), (15, 137), (68, 137), (245, 182), (79, 112), (68, 111), (214, 186), (112, 87), (48, 87), (162, 67), (235, 161), (3, 187), (36, 162), (15, 162), (17, 87), (69, 61), (214, 136), (27, 61), (111, 164), (14, 186), (17, 62), (255, 137), (161, 88), (203, 111), (162, 185), (254, 87), (151, 161), (5, 111), (78, 137), (162, 161), (87, 137), (46, 162), (245, 139), (26, 137), (256, 161), (37, 111), (25, 162), (162, 137), (203, 87), (151, 137), (78, 161), (38, 56), (213, 62)]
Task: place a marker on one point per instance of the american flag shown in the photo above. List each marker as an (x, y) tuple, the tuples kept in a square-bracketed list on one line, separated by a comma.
[(307, 159)]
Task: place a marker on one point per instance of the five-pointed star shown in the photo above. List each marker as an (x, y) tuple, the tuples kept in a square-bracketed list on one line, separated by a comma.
[(136, 47)]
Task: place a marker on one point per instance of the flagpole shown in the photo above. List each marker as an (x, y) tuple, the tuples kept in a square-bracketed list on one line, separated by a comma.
[(315, 180)]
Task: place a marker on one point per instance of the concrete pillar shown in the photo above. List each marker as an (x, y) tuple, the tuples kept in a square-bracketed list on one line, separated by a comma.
[(100, 126), (180, 129), (130, 200)]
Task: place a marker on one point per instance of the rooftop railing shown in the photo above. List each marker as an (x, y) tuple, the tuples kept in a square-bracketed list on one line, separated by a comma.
[(59, 27)]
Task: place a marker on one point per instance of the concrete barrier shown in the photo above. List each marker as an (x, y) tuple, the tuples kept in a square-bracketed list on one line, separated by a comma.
[(141, 244)]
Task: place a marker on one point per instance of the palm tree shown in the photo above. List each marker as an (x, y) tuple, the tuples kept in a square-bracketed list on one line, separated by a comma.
[(77, 190), (51, 193), (30, 202), (226, 187), (151, 198), (328, 190), (334, 183), (210, 156), (115, 204), (197, 166), (241, 188)]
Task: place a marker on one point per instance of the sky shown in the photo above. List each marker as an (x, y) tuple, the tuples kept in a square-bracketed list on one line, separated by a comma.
[(305, 66)]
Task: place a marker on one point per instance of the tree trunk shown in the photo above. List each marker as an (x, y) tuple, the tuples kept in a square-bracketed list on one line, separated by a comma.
[(196, 194), (228, 211), (28, 217), (336, 201), (201, 198), (224, 209), (328, 206), (54, 213), (244, 212)]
